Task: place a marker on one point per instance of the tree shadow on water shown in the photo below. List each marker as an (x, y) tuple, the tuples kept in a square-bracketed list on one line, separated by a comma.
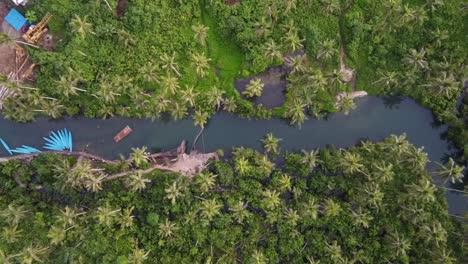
[(392, 101)]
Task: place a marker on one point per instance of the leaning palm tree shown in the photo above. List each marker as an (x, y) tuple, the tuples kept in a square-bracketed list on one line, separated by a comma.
[(52, 108), (327, 49), (345, 104), (67, 86), (240, 211), (254, 88), (167, 229), (416, 59), (210, 208), (270, 143), (168, 63), (81, 26), (451, 172), (201, 63), (200, 118), (272, 51), (201, 32), (139, 156)]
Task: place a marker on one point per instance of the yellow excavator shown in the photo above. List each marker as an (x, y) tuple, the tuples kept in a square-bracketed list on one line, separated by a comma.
[(35, 32)]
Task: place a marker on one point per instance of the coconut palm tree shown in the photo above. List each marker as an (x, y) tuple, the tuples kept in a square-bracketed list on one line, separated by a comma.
[(215, 97), (399, 244), (93, 182), (126, 38), (345, 104), (229, 105), (351, 162), (259, 258), (67, 86), (167, 229), (389, 79), (52, 108), (168, 63), (149, 72), (174, 192), (189, 95), (270, 143), (292, 40), (297, 63), (310, 158), (161, 103), (417, 157), (272, 51), (271, 199), (435, 232), (32, 254), (138, 256), (385, 171), (451, 172), (318, 80), (440, 36), (423, 191), (68, 217), (205, 181), (7, 259), (56, 235), (137, 182), (14, 214), (11, 233), (126, 219), (210, 208), (107, 216), (200, 63), (289, 5), (295, 111), (106, 92), (265, 164), (240, 211), (330, 7), (201, 32), (374, 196), (331, 208), (254, 88), (200, 118), (362, 218), (106, 111), (310, 209), (285, 183), (445, 84), (242, 166), (416, 59), (292, 217), (170, 84), (81, 26), (139, 156), (327, 49), (334, 251), (178, 111), (262, 27)]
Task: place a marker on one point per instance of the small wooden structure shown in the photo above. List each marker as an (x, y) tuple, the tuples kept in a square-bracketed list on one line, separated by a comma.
[(123, 133), (34, 33)]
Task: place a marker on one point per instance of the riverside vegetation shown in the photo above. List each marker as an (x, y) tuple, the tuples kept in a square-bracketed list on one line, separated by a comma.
[(374, 203)]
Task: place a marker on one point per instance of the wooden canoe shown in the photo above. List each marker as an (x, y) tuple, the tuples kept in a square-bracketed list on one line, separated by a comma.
[(122, 134)]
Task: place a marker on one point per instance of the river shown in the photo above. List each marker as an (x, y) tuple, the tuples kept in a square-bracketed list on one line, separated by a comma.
[(374, 118)]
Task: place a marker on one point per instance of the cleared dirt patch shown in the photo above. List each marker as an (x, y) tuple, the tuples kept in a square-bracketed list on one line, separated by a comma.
[(7, 59)]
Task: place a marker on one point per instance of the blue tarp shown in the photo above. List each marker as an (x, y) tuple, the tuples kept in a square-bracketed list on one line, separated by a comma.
[(15, 19)]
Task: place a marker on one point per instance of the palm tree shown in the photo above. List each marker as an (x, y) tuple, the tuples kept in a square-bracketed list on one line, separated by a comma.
[(399, 244), (385, 171), (169, 64), (417, 157), (67, 218), (331, 208), (138, 256), (265, 164), (56, 235), (170, 84), (229, 105), (7, 259), (389, 79), (345, 104), (435, 232), (351, 162), (310, 158), (242, 166), (210, 208), (292, 40), (445, 84), (292, 217), (330, 7), (126, 38), (150, 72), (161, 103), (51, 108), (289, 5), (11, 233), (200, 118), (81, 26), (126, 218), (452, 172), (167, 229), (173, 192), (334, 250), (327, 49), (106, 215), (416, 59), (106, 111), (318, 79), (106, 92), (259, 258), (271, 199), (93, 182), (254, 88), (295, 111), (297, 63), (262, 27), (206, 181), (67, 86), (272, 51), (178, 111), (270, 144), (374, 195), (285, 183), (439, 36), (239, 211), (139, 156), (200, 63), (14, 214), (189, 95), (31, 254), (423, 191), (137, 182), (215, 97), (310, 209), (201, 32)]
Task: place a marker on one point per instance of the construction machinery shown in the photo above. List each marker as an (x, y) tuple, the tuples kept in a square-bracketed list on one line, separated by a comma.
[(35, 32)]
